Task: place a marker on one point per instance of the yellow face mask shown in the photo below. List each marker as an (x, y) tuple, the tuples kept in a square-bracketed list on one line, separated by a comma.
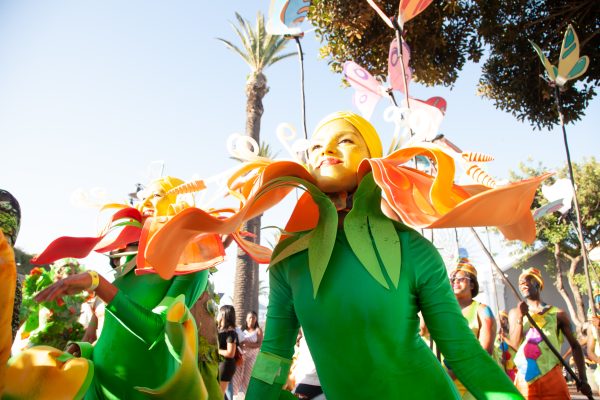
[(336, 150), (156, 201)]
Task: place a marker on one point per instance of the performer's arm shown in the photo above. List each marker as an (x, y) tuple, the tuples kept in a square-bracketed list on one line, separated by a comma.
[(472, 365), (145, 323), (564, 324), (487, 330), (515, 318), (148, 324), (273, 362)]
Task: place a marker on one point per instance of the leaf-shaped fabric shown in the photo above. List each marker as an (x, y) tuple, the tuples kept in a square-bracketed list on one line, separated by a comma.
[(356, 227), (81, 247)]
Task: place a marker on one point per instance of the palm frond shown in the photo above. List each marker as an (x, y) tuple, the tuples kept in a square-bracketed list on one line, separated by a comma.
[(237, 50), (277, 46), (279, 58), (258, 48)]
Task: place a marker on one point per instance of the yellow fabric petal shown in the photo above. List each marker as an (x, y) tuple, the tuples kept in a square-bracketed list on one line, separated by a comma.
[(8, 277), (39, 374)]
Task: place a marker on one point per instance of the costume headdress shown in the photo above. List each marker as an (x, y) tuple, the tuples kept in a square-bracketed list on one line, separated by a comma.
[(364, 127), (10, 216), (465, 266), (414, 197), (535, 274)]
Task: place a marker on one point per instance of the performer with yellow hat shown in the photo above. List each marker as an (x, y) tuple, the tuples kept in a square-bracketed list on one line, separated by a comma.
[(369, 300), (478, 315), (348, 261), (540, 372)]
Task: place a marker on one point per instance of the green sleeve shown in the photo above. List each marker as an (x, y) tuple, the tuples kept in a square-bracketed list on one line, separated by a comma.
[(148, 324), (280, 337), (469, 361), (190, 285)]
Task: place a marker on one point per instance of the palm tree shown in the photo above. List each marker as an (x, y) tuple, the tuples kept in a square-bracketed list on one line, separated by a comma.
[(259, 50)]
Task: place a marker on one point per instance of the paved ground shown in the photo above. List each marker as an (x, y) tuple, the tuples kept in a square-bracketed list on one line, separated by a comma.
[(575, 395)]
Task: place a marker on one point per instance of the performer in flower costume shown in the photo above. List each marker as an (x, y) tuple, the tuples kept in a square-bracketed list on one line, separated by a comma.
[(345, 266), (148, 345)]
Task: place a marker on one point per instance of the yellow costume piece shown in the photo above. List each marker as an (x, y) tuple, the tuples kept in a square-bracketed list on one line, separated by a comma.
[(8, 277), (45, 373)]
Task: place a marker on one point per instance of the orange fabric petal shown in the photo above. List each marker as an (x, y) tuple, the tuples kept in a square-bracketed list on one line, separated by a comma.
[(202, 252), (506, 207), (425, 201), (258, 253), (305, 215), (166, 246)]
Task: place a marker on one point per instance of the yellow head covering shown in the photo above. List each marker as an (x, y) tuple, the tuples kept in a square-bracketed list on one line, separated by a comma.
[(166, 205), (364, 127), (466, 266), (535, 273)]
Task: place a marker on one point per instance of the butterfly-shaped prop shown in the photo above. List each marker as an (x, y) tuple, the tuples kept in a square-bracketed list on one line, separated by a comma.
[(570, 65), (559, 196), (369, 90), (285, 16), (418, 123), (407, 10)]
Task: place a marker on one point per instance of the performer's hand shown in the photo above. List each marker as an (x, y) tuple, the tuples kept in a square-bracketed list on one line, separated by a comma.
[(74, 350), (596, 321), (523, 308), (585, 389), (70, 285)]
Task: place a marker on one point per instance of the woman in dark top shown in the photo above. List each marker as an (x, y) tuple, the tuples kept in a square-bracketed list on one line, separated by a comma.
[(228, 343)]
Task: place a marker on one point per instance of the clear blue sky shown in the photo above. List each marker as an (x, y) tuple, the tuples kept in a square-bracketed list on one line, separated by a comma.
[(92, 92)]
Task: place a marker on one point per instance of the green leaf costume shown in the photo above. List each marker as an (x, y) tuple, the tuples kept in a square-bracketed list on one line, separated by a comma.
[(362, 326)]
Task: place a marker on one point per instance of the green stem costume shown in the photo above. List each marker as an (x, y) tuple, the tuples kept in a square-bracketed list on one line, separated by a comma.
[(131, 351), (359, 314), (147, 348)]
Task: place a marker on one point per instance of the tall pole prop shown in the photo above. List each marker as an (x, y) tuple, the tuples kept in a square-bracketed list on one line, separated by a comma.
[(301, 58), (584, 254), (570, 66)]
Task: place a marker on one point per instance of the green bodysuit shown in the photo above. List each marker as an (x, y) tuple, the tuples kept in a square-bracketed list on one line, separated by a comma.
[(131, 350), (364, 337)]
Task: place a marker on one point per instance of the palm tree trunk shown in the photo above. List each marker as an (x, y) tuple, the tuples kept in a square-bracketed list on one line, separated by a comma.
[(245, 291)]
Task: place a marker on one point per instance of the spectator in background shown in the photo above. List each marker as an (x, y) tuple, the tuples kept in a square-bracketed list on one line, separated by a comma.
[(228, 344), (251, 342)]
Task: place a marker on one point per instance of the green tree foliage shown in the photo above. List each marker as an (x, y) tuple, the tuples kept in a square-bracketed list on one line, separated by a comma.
[(450, 32), (558, 233)]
